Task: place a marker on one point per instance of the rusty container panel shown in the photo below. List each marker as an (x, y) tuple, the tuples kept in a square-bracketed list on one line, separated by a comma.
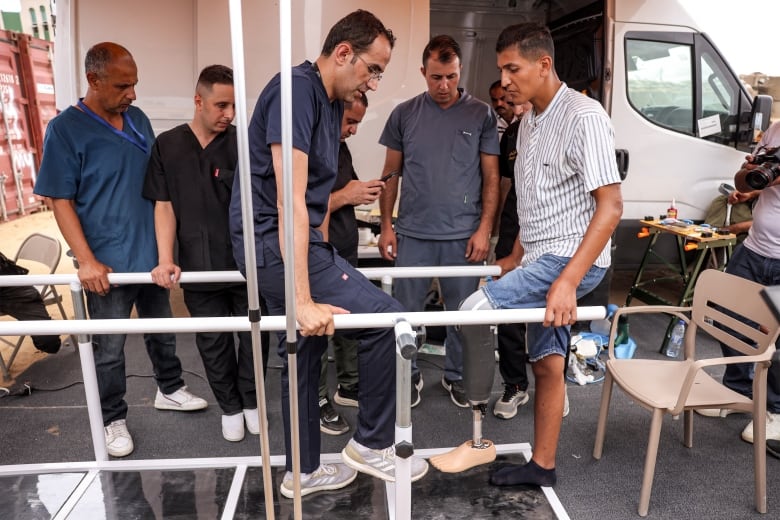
[(26, 106)]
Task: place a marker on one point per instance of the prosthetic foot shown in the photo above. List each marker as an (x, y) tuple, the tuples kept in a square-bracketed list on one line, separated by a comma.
[(478, 367)]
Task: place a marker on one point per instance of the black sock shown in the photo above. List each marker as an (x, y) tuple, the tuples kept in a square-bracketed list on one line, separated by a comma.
[(530, 473)]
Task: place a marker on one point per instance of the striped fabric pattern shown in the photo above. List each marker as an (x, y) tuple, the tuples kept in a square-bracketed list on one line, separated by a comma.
[(563, 154)]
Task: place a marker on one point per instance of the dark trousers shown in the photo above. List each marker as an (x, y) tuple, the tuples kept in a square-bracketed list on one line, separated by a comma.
[(512, 357), (739, 377), (150, 301), (332, 280), (25, 304), (228, 364)]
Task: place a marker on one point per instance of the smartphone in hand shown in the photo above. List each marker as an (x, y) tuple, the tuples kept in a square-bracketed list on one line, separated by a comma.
[(390, 176)]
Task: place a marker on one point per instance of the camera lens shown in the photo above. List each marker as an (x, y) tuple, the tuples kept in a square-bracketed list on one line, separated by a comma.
[(762, 176)]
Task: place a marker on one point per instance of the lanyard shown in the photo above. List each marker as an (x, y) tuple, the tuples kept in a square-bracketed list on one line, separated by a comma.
[(137, 138)]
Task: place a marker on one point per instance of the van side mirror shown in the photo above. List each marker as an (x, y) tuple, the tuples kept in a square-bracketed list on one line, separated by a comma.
[(762, 111)]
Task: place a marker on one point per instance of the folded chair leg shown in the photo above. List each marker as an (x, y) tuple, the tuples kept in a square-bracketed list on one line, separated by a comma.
[(606, 396), (3, 368), (650, 457)]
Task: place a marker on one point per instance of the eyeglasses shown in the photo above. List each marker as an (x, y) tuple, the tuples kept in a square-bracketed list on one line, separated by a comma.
[(376, 74)]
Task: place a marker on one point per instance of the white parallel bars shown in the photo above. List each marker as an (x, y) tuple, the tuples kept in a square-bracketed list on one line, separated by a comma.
[(404, 320)]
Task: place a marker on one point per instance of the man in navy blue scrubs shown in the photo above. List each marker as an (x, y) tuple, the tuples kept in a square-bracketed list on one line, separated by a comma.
[(354, 56)]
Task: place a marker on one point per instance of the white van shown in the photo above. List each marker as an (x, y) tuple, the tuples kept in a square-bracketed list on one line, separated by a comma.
[(683, 121)]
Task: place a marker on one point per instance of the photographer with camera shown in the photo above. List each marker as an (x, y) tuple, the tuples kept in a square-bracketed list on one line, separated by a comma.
[(758, 259)]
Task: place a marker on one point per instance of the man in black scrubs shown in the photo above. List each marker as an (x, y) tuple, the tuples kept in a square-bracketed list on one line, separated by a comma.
[(190, 177)]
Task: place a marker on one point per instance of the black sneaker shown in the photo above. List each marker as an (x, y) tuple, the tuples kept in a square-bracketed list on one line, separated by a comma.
[(330, 421), (773, 447), (417, 386), (457, 393), (346, 397)]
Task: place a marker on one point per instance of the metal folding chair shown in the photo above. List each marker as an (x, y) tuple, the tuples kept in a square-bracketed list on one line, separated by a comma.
[(44, 250)]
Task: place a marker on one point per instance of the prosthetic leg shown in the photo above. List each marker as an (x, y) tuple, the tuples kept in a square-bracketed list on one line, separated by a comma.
[(478, 367)]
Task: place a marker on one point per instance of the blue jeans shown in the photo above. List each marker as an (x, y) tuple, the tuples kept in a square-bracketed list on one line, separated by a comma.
[(739, 377), (150, 301), (413, 252), (526, 288)]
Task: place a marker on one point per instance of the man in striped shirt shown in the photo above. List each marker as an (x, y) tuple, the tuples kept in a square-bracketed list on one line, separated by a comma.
[(568, 202)]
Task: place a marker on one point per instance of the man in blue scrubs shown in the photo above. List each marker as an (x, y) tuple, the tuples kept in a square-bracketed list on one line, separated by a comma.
[(94, 161), (353, 58)]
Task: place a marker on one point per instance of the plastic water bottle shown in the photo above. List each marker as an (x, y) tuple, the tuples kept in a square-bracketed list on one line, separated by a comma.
[(676, 340)]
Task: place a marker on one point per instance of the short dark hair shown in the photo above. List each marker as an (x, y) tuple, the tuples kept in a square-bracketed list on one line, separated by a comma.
[(363, 99), (214, 74), (531, 39), (496, 84), (359, 28), (445, 47), (100, 55)]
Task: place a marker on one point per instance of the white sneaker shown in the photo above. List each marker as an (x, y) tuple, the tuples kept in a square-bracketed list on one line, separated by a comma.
[(379, 463), (233, 427), (716, 412), (772, 428), (252, 420), (325, 478), (565, 401), (119, 443), (181, 400)]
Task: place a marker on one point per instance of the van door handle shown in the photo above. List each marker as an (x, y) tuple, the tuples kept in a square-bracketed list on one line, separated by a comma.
[(621, 156)]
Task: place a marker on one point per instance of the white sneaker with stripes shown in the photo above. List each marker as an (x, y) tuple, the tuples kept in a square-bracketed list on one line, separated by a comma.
[(379, 463), (325, 478)]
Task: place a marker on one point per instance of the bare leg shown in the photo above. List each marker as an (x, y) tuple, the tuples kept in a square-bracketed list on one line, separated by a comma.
[(548, 415)]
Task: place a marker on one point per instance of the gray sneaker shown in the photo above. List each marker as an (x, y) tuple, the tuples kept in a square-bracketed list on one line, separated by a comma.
[(379, 463), (506, 407), (325, 478)]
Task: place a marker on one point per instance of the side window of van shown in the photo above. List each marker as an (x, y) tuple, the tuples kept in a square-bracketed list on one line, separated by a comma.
[(680, 82), (660, 82)]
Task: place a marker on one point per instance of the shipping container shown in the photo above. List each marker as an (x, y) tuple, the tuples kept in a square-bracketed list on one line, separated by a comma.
[(26, 106)]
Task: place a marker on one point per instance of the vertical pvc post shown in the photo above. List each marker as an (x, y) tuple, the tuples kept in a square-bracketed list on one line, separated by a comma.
[(405, 348), (86, 355), (387, 284), (285, 76), (253, 298)]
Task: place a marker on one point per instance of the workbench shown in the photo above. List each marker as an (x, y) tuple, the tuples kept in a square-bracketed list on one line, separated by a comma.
[(688, 239)]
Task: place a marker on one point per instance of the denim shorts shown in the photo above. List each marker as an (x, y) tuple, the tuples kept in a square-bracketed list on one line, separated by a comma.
[(527, 287)]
